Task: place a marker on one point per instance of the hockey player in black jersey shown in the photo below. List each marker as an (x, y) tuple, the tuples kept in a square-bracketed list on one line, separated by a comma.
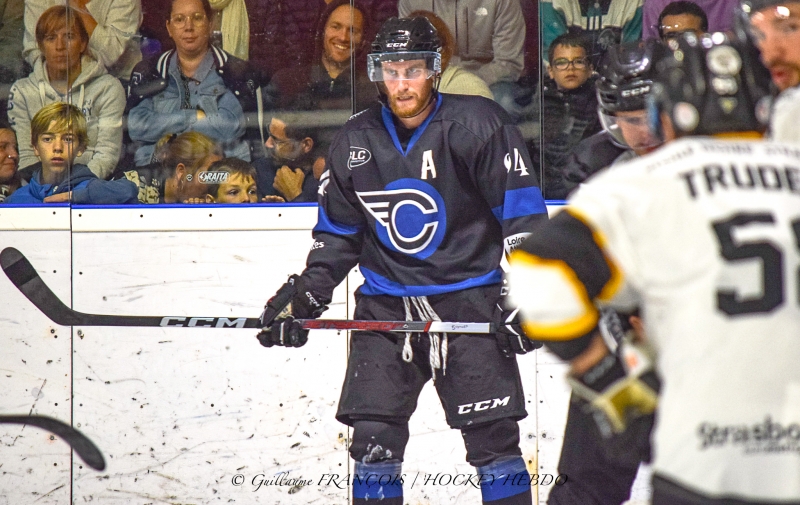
[(424, 191), (625, 76)]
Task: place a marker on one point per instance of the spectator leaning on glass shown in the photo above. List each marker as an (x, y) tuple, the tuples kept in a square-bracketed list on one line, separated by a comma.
[(67, 72), (112, 26), (238, 185), (10, 180), (58, 136), (172, 178), (295, 164), (195, 87)]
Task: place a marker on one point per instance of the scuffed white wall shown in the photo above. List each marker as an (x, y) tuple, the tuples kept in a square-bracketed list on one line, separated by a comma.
[(181, 413)]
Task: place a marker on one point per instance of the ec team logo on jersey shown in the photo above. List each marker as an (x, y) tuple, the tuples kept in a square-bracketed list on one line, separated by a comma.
[(410, 216), (358, 156)]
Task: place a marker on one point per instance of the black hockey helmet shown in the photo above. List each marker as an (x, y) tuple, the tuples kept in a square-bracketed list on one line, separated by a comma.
[(626, 73), (403, 39), (711, 84)]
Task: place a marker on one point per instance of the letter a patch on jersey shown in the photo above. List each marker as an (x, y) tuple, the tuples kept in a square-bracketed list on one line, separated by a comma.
[(410, 216), (427, 165)]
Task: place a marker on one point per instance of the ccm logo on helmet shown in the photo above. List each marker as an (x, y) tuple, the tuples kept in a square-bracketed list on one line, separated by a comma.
[(396, 45), (484, 405), (641, 90)]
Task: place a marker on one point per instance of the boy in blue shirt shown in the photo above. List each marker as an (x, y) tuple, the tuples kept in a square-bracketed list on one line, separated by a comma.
[(58, 136)]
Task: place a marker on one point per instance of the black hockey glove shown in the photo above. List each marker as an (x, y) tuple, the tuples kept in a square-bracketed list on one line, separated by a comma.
[(284, 331), (293, 300), (622, 386), (510, 337)]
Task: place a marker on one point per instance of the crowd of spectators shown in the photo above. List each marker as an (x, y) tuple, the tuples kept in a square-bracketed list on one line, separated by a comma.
[(254, 90)]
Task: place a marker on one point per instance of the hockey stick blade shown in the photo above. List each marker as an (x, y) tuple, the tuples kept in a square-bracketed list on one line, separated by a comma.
[(22, 274), (79, 442)]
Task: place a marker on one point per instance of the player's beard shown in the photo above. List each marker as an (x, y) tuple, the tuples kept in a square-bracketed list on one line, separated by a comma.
[(410, 109)]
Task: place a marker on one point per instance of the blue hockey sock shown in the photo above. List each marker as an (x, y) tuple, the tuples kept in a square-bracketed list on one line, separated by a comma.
[(373, 482), (505, 481)]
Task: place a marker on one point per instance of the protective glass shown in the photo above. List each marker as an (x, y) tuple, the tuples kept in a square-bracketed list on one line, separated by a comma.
[(630, 131), (379, 71)]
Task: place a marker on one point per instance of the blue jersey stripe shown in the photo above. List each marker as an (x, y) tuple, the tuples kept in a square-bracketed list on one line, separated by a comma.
[(520, 202), (377, 284), (326, 224)]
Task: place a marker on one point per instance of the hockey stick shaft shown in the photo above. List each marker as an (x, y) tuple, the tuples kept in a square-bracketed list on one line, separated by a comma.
[(22, 274), (79, 442)]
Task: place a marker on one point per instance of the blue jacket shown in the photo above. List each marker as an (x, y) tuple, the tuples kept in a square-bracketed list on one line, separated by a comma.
[(85, 186), (159, 92)]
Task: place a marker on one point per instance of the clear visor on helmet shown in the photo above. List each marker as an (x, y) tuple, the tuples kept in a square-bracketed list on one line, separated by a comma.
[(630, 129), (403, 66)]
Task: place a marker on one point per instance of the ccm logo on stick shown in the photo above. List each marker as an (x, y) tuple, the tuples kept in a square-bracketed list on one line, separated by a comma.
[(484, 405), (204, 322)]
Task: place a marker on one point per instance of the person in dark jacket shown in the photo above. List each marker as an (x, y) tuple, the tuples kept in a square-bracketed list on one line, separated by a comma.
[(58, 136), (327, 82), (569, 107), (295, 164)]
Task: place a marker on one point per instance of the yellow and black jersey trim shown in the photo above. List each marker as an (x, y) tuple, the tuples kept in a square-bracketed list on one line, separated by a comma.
[(570, 246)]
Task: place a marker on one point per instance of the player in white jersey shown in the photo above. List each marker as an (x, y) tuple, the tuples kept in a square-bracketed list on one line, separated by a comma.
[(704, 236), (775, 26)]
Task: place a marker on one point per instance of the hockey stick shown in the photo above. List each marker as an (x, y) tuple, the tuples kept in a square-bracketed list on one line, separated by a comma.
[(79, 442), (22, 274)]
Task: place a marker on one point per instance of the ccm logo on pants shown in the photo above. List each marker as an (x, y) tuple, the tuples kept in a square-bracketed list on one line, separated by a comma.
[(484, 405)]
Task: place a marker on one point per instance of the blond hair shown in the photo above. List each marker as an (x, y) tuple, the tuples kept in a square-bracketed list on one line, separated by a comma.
[(66, 118), (192, 149)]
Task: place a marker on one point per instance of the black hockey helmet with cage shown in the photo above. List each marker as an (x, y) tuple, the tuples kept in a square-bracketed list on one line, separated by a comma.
[(402, 39), (626, 74), (711, 84)]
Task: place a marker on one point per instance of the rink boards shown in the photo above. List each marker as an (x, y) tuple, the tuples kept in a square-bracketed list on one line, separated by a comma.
[(200, 416)]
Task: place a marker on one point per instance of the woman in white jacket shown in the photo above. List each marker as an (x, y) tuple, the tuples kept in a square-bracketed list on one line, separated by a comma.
[(67, 72)]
